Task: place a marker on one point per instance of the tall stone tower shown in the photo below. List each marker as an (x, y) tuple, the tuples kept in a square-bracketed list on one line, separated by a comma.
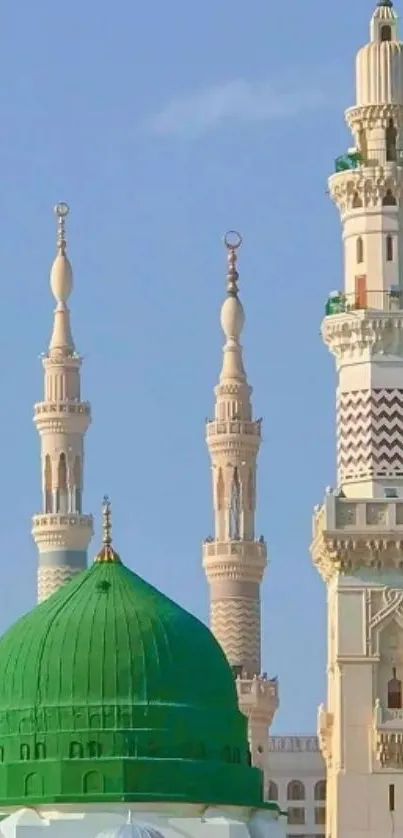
[(62, 533), (234, 560), (358, 532)]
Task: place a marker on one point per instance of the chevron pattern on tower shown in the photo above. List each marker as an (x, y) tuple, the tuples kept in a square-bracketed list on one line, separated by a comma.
[(236, 625), (370, 434), (51, 578)]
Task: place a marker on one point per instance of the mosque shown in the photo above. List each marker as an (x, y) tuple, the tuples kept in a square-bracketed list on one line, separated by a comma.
[(106, 727), (119, 711)]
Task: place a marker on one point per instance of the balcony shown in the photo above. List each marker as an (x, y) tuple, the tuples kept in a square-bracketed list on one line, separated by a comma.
[(385, 301), (355, 159), (258, 697), (349, 534), (388, 737)]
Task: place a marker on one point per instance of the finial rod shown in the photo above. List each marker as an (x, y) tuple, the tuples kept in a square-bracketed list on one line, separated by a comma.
[(61, 211), (107, 553), (106, 522), (232, 241)]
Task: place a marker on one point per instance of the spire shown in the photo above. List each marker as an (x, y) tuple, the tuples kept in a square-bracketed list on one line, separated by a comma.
[(232, 315), (387, 3), (61, 283), (233, 558), (232, 241), (107, 553), (61, 530)]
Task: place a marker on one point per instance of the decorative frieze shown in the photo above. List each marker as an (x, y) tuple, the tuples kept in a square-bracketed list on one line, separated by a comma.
[(353, 334), (350, 534)]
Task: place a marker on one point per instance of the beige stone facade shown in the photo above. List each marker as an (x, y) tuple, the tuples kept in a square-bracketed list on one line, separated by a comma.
[(357, 543)]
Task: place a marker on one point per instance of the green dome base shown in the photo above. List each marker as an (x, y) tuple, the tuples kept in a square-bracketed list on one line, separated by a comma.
[(110, 691), (131, 780)]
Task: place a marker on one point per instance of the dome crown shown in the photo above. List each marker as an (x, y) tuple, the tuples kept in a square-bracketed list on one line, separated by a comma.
[(131, 829)]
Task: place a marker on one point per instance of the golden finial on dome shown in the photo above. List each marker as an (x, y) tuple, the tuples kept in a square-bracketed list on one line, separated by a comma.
[(232, 241), (107, 553)]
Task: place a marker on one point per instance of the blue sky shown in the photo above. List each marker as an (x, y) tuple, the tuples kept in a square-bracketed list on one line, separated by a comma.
[(163, 125)]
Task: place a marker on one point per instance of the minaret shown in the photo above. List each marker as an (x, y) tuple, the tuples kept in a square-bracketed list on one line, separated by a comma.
[(61, 532), (358, 531), (234, 560)]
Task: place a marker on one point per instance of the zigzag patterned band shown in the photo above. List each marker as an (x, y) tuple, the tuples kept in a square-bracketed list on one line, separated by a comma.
[(236, 625), (370, 434)]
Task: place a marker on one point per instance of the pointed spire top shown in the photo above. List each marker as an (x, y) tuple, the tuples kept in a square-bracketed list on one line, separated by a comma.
[(106, 522), (61, 283), (61, 211), (232, 314), (61, 277), (232, 241), (107, 553)]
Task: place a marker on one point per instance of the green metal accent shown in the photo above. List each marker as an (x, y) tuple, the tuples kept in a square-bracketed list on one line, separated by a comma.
[(109, 691), (348, 161)]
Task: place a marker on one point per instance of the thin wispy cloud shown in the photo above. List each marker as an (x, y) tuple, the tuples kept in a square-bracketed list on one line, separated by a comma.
[(236, 101)]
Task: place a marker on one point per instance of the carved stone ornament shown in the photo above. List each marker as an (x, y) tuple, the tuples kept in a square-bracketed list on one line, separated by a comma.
[(368, 117), (370, 183), (351, 334)]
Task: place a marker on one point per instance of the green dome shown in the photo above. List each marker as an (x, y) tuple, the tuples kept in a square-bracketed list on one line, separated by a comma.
[(111, 691)]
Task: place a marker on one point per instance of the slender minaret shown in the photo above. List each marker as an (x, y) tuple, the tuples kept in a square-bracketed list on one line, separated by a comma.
[(61, 532), (234, 561), (358, 532)]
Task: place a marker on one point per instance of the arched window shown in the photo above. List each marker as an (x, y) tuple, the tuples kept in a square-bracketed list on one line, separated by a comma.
[(273, 791), (389, 249), (93, 783), (391, 137), (386, 32), (76, 750), (320, 791), (24, 752), (295, 790), (360, 250), (1, 753), (48, 484), (389, 199), (62, 484), (40, 752), (394, 692), (220, 490), (94, 750), (78, 485), (357, 202), (235, 505), (33, 785), (251, 490)]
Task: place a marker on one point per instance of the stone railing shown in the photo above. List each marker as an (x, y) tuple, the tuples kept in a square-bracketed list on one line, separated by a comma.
[(234, 548), (294, 744), (348, 514), (69, 407), (62, 520), (232, 426)]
